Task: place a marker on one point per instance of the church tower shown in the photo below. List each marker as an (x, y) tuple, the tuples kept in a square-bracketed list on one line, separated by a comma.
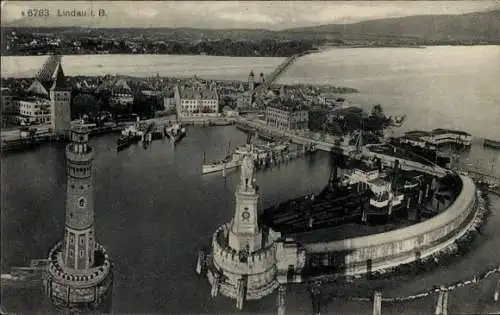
[(60, 98), (251, 81), (79, 276), (245, 233)]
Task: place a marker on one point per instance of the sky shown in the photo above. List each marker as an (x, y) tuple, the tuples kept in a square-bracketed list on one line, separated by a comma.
[(233, 14)]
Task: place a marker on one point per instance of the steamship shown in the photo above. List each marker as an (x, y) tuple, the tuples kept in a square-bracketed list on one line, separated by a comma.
[(363, 193)]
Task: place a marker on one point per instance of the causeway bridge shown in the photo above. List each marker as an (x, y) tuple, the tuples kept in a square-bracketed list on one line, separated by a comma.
[(273, 76)]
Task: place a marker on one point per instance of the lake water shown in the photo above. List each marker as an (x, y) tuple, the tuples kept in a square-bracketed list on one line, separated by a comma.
[(154, 210), (449, 87)]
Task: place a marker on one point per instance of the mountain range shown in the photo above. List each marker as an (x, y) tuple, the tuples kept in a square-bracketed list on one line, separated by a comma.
[(478, 25)]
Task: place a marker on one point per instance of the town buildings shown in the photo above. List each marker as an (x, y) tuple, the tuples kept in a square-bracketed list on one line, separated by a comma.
[(287, 115), (196, 101), (169, 101)]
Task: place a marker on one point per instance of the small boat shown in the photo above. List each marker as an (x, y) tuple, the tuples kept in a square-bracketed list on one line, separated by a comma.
[(175, 132), (491, 143), (129, 136), (229, 162)]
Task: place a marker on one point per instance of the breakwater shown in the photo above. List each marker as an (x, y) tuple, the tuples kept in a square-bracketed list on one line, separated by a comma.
[(390, 249)]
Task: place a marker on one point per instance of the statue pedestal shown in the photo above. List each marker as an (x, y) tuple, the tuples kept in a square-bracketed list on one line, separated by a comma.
[(244, 228)]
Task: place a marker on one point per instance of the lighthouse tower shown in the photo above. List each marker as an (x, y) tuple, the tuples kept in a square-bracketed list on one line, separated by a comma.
[(243, 262), (79, 276)]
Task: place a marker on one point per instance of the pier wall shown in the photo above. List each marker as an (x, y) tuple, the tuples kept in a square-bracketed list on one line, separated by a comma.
[(389, 249)]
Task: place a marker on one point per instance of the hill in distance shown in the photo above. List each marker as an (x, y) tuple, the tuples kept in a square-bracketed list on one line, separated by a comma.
[(484, 25), (479, 25)]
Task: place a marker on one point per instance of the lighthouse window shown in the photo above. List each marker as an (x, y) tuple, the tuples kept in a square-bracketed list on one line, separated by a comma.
[(71, 238), (81, 202), (81, 253)]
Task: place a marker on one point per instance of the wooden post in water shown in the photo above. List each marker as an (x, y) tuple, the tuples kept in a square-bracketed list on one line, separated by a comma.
[(497, 291), (377, 303), (282, 299), (442, 302), (314, 288), (445, 302)]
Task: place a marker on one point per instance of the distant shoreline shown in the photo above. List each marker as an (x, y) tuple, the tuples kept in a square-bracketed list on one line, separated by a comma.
[(319, 50)]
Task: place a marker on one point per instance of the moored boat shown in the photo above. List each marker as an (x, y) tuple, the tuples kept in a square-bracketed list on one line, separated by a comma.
[(491, 143), (229, 162), (130, 135), (175, 132)]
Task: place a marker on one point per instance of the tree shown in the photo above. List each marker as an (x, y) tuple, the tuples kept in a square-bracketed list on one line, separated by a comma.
[(84, 104), (378, 111)]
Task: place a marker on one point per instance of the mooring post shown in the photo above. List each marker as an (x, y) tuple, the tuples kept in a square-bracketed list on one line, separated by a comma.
[(377, 303), (314, 288), (445, 302), (497, 291), (282, 299), (442, 302)]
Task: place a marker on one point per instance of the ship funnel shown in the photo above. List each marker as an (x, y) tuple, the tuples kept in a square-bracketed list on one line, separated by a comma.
[(333, 171)]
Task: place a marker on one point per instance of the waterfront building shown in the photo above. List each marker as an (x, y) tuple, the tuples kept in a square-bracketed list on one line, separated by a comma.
[(50, 83), (79, 276), (287, 115), (244, 260), (196, 101), (34, 110), (437, 137)]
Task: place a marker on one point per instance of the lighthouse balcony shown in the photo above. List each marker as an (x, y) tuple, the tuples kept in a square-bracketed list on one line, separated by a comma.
[(78, 157), (79, 278)]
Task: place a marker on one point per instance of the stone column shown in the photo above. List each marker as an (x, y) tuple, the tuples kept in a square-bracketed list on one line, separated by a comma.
[(281, 299), (377, 303)]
